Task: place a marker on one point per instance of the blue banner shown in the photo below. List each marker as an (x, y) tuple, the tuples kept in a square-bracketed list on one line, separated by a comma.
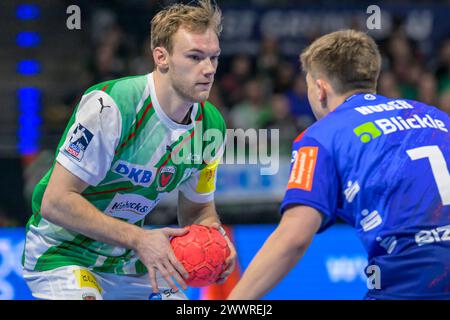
[(332, 268), (294, 26)]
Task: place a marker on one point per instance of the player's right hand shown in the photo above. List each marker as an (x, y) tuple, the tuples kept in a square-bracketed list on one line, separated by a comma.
[(156, 254)]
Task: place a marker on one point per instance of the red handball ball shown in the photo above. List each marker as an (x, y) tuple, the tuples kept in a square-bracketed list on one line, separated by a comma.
[(202, 251)]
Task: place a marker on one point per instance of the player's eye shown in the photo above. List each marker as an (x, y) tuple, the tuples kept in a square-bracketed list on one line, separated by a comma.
[(195, 57)]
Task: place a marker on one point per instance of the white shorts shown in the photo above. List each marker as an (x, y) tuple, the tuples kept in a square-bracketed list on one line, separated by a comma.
[(79, 283)]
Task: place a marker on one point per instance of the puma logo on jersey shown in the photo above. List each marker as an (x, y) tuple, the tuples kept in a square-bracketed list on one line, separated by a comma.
[(102, 106)]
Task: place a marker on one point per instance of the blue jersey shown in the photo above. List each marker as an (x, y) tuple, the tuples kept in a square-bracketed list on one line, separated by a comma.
[(381, 165)]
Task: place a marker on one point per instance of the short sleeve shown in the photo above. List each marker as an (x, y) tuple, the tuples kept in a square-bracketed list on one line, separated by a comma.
[(90, 143), (313, 180), (201, 185)]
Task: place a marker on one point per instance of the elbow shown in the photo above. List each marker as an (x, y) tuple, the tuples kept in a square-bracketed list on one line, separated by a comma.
[(48, 206), (299, 244), (295, 241)]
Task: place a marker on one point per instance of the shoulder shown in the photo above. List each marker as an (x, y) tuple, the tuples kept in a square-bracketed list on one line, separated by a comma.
[(115, 85), (211, 116), (331, 131), (434, 110), (124, 91)]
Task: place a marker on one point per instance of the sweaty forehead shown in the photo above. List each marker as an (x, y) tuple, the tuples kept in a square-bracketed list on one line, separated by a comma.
[(206, 41)]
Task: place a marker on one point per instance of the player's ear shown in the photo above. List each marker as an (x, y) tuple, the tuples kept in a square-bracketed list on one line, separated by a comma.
[(321, 90), (160, 57)]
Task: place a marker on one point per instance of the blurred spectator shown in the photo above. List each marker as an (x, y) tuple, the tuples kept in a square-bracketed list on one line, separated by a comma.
[(233, 82), (404, 65), (443, 71), (284, 76), (284, 122), (110, 60), (388, 86), (254, 111), (269, 57), (444, 101), (427, 89), (142, 62), (298, 103)]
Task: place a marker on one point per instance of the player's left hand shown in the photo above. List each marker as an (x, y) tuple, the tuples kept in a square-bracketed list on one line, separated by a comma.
[(231, 260)]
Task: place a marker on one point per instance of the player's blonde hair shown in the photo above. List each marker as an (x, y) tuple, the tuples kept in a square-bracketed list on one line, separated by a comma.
[(349, 59), (193, 18)]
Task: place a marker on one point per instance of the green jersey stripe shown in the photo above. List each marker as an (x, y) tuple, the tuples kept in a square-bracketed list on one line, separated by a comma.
[(178, 149), (138, 124), (106, 191), (52, 253)]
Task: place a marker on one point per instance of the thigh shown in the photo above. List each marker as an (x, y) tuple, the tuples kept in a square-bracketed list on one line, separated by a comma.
[(136, 287), (64, 283)]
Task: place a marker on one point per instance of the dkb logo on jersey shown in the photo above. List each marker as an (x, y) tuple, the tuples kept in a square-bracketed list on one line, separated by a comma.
[(78, 142), (138, 175), (166, 176)]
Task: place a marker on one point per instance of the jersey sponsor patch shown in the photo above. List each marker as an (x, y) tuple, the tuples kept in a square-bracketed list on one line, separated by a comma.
[(371, 130), (85, 279), (130, 207), (206, 182), (371, 220), (302, 173), (79, 141), (136, 174)]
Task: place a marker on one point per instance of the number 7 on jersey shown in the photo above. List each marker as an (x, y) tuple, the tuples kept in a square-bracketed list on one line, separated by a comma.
[(438, 168)]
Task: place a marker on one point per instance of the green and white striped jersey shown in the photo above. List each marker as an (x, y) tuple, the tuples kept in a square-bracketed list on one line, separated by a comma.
[(131, 154)]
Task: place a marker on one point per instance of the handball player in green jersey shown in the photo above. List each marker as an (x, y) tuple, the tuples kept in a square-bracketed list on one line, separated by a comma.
[(129, 142)]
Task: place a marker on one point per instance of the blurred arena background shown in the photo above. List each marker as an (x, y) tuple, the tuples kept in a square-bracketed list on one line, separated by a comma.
[(45, 67)]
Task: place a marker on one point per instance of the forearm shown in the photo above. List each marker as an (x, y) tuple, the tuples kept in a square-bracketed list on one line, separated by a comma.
[(205, 215), (72, 211), (272, 262)]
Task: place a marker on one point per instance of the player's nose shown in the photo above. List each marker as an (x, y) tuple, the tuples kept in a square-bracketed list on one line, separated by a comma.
[(209, 68)]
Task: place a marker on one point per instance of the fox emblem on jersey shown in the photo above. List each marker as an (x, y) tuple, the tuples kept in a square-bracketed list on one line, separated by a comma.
[(166, 176)]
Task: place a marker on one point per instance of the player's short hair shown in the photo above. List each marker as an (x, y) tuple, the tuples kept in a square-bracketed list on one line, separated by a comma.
[(349, 59), (194, 18)]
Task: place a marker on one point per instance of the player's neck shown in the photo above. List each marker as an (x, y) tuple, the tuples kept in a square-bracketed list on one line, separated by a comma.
[(335, 101), (169, 100)]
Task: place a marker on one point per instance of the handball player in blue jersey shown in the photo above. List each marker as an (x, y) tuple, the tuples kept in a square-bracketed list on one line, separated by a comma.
[(379, 164)]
